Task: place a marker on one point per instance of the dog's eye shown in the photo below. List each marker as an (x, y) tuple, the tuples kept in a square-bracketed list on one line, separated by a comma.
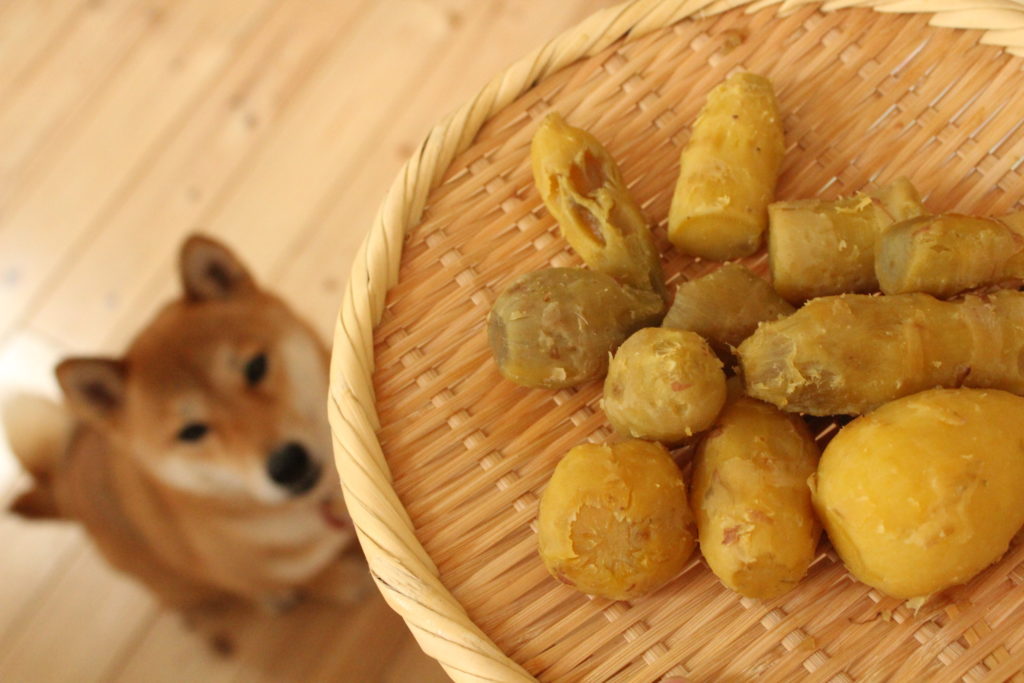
[(256, 369), (193, 431)]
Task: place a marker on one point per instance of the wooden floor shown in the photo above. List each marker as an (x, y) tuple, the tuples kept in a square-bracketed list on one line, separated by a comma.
[(275, 125)]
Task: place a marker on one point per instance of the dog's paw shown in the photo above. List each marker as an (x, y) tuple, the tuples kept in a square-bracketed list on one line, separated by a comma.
[(356, 588), (214, 622), (222, 644), (279, 602), (218, 640), (345, 582)]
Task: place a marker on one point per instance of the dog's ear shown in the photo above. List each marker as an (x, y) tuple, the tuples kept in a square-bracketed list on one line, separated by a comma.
[(93, 388), (210, 271)]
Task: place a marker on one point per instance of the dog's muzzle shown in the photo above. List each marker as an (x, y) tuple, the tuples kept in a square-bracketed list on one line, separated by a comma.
[(291, 468)]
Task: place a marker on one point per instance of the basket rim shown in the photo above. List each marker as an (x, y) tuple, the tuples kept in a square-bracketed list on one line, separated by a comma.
[(400, 566)]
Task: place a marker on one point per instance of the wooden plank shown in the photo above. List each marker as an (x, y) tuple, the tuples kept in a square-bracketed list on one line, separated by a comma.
[(41, 556), (88, 606), (169, 651), (379, 75), (290, 178), (45, 22), (490, 41), (192, 169), (322, 630), (131, 671), (35, 555), (312, 642), (149, 98), (255, 660), (363, 83), (41, 110), (370, 629)]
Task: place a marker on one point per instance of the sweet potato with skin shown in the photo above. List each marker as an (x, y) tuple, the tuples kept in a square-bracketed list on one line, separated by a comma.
[(819, 248), (925, 492), (556, 327), (948, 254), (728, 170), (850, 354), (757, 528), (725, 307), (583, 189)]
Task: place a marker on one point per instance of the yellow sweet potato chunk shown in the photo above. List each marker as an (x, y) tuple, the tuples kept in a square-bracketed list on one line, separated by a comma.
[(614, 521), (925, 492)]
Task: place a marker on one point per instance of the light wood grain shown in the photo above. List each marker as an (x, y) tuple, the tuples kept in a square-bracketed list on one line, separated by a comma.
[(275, 125)]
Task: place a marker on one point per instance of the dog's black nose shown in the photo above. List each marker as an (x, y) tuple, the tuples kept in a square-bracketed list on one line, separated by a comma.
[(291, 467)]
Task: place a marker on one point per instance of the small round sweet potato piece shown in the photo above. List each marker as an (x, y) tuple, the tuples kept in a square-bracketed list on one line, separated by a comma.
[(614, 521), (663, 385)]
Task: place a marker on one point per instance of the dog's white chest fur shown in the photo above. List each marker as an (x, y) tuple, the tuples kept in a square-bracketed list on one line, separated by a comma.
[(283, 547)]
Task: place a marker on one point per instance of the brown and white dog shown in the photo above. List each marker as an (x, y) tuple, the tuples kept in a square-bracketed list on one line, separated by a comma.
[(200, 462)]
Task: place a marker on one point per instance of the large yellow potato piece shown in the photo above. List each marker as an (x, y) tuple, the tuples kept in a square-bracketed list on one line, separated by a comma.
[(727, 171), (614, 521), (925, 492), (756, 525)]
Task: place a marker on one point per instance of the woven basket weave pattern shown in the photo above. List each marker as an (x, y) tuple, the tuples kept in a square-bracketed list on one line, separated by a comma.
[(866, 97)]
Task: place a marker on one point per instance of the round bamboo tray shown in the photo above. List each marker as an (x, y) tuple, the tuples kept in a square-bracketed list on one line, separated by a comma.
[(442, 460)]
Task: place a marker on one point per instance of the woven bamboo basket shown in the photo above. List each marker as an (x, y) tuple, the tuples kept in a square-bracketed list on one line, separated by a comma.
[(442, 460)]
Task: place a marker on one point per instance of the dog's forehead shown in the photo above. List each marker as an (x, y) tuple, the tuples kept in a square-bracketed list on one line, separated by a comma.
[(191, 353), (184, 322), (186, 342)]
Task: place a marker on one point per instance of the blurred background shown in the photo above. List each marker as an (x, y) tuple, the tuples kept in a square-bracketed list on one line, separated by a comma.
[(274, 125)]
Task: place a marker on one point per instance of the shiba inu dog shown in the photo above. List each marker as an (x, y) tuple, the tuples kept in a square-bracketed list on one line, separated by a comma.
[(200, 462)]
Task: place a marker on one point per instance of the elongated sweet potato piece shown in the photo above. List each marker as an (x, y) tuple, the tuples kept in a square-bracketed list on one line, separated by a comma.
[(848, 354), (583, 189), (728, 170), (948, 254), (757, 527), (819, 248)]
